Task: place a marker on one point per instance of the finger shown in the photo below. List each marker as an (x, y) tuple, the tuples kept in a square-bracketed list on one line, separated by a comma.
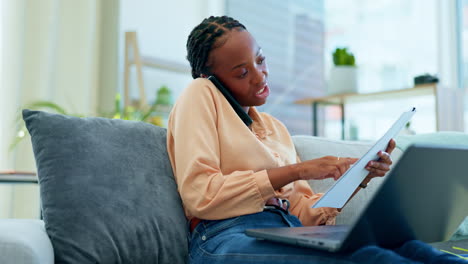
[(342, 168), (331, 172), (385, 157), (391, 146), (337, 171), (373, 172), (378, 170), (337, 175), (378, 166), (345, 163), (338, 162), (337, 168)]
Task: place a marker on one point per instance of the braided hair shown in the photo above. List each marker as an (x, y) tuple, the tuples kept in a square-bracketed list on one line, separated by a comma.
[(203, 39)]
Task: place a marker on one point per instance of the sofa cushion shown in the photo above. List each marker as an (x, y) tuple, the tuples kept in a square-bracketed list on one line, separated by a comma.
[(107, 190), (439, 138), (309, 147)]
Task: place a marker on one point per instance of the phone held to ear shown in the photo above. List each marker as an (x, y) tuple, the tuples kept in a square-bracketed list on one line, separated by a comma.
[(237, 107)]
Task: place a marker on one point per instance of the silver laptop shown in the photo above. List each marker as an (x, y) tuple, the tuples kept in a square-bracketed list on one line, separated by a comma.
[(425, 197)]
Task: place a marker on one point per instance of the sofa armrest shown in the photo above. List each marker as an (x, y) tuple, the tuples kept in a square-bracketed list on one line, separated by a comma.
[(24, 241)]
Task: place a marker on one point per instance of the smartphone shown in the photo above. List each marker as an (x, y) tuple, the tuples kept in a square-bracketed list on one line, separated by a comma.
[(237, 107)]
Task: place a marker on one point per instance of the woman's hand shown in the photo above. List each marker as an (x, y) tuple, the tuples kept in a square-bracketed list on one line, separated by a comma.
[(325, 167), (316, 169), (381, 166)]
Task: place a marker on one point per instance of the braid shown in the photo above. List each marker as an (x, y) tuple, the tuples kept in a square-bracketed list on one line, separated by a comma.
[(203, 38)]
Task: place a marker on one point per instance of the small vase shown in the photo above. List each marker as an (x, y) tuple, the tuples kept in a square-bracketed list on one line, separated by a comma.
[(343, 80)]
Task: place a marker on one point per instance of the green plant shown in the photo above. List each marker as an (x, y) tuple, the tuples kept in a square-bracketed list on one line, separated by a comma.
[(142, 113), (163, 96), (341, 57), (21, 131), (149, 113)]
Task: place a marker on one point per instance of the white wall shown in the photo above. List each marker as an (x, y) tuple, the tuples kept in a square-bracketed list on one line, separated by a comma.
[(52, 52), (162, 29), (451, 96), (66, 50), (10, 76)]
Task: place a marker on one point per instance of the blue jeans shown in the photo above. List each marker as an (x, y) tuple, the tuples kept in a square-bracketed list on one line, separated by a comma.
[(224, 241)]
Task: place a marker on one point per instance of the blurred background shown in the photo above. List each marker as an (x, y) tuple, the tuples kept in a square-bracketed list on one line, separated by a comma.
[(126, 59)]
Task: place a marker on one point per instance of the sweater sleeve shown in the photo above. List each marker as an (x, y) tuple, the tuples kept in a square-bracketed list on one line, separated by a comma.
[(194, 152), (301, 201)]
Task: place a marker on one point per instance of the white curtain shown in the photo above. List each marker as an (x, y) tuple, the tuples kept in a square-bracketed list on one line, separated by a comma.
[(54, 50)]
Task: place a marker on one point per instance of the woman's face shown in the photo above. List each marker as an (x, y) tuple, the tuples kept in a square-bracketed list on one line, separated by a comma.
[(240, 65)]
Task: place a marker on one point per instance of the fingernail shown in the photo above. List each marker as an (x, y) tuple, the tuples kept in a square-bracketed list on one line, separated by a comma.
[(371, 163)]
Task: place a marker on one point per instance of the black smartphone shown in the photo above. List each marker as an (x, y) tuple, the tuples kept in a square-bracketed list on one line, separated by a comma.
[(237, 107)]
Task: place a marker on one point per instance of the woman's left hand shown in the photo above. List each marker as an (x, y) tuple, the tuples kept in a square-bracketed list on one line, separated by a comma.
[(378, 168)]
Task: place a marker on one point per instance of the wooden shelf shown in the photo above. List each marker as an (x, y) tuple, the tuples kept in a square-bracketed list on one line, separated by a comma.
[(343, 99), (133, 57), (163, 64), (426, 89)]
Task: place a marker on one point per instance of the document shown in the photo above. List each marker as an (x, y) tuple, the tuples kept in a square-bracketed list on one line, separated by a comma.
[(341, 191)]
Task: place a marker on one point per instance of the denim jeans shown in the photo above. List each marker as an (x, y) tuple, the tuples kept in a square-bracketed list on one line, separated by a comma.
[(224, 241)]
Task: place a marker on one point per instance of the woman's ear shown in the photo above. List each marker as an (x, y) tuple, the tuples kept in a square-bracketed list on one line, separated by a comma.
[(203, 75)]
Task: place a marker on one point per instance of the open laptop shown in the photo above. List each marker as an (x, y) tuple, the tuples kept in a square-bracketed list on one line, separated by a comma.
[(425, 197)]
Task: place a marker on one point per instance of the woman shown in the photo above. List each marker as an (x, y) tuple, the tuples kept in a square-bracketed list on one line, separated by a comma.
[(231, 176)]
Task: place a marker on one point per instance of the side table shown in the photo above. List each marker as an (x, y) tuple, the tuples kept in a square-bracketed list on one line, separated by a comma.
[(18, 177)]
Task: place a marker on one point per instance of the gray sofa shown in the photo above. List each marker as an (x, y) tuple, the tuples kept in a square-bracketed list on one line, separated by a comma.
[(108, 195)]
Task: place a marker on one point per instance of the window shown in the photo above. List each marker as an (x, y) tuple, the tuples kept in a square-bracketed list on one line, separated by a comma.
[(464, 39), (393, 41), (291, 36), (3, 126), (464, 50)]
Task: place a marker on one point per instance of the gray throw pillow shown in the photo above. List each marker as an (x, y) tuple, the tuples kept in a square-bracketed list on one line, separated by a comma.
[(107, 190)]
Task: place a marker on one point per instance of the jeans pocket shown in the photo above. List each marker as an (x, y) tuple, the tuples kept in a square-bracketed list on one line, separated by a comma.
[(212, 228)]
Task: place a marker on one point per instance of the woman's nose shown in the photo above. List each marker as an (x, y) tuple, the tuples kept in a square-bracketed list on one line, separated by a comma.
[(260, 75)]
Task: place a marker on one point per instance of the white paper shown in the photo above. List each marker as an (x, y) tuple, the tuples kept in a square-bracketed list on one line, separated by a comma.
[(341, 191)]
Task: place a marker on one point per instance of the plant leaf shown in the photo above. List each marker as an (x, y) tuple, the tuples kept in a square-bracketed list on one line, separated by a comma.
[(47, 105)]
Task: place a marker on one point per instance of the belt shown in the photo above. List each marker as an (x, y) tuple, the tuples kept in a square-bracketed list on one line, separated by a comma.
[(193, 223), (277, 203), (272, 203)]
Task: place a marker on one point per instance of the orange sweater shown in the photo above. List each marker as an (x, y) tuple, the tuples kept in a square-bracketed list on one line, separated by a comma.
[(220, 164)]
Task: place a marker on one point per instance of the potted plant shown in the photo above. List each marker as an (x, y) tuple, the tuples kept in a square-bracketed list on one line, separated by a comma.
[(155, 113), (343, 75)]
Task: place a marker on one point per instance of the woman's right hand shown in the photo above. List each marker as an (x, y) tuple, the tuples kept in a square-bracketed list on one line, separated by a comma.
[(324, 167), (316, 169)]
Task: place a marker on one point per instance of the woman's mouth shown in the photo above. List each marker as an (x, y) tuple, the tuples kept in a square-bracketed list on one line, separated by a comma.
[(263, 93)]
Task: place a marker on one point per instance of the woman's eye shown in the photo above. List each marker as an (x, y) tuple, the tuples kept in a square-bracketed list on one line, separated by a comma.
[(242, 75), (261, 60)]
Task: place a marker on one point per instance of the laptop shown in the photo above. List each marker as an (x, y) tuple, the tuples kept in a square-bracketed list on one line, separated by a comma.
[(423, 197)]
